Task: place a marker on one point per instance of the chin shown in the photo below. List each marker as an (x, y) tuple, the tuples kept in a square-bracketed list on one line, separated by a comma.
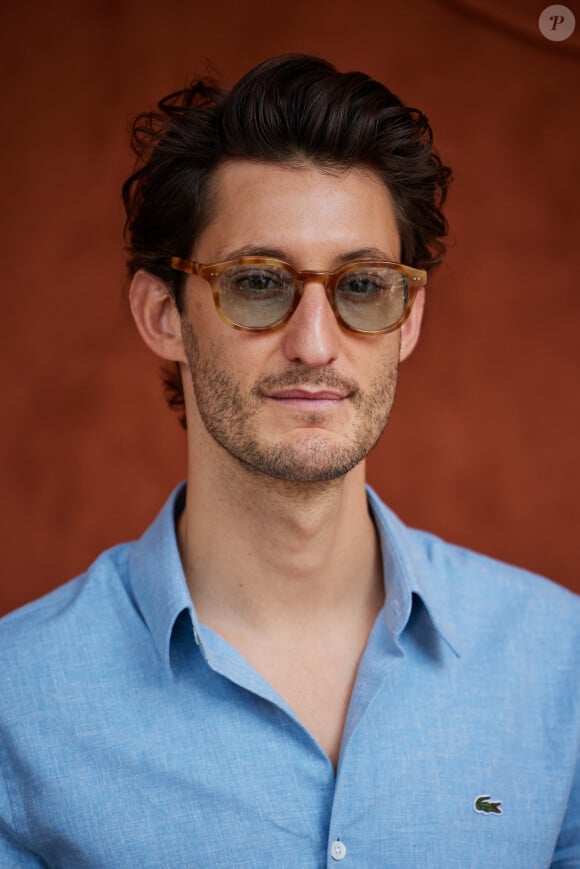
[(315, 462)]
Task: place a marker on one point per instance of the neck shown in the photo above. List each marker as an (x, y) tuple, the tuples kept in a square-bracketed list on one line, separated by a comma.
[(264, 555)]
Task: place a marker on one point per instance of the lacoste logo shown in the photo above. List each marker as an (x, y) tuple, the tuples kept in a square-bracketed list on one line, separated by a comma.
[(484, 806)]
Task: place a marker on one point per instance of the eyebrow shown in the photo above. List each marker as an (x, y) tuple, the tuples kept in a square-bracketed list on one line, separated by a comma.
[(277, 253)]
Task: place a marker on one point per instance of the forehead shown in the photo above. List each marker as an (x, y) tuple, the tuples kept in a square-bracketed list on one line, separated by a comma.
[(310, 215)]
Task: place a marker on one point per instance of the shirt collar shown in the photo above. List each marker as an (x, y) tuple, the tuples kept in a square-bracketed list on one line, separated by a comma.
[(410, 569), (160, 589), (156, 576)]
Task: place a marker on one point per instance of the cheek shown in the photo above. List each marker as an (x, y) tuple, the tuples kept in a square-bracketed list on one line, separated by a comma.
[(199, 307), (369, 355), (222, 355), (391, 348), (250, 355)]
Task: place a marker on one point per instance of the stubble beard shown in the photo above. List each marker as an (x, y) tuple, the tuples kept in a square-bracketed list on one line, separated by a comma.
[(231, 418)]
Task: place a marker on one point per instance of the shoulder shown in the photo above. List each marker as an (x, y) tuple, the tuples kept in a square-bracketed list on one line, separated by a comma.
[(492, 582), (484, 598), (74, 617), (523, 624)]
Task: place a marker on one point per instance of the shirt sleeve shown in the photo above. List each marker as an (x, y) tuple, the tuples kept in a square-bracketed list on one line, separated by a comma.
[(567, 853), (13, 854)]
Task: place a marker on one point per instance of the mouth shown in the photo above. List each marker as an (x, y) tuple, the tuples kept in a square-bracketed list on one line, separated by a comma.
[(308, 400)]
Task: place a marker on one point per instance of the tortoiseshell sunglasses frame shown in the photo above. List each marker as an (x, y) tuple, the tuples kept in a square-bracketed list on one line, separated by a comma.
[(211, 272)]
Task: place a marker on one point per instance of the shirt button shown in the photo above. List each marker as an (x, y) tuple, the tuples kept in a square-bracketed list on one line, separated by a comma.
[(338, 850)]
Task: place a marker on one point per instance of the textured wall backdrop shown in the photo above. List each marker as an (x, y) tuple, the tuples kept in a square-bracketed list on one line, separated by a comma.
[(482, 447)]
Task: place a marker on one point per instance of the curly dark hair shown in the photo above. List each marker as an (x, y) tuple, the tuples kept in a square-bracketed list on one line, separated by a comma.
[(291, 110)]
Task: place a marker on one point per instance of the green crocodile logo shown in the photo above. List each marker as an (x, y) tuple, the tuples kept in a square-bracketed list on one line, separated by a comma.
[(484, 806)]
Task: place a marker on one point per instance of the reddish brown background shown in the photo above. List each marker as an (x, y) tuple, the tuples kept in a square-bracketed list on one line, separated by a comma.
[(483, 444)]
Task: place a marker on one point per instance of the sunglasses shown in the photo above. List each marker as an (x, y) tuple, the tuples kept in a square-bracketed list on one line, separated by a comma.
[(258, 293)]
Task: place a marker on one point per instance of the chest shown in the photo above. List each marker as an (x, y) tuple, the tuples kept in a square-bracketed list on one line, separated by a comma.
[(318, 691), (229, 779), (315, 680)]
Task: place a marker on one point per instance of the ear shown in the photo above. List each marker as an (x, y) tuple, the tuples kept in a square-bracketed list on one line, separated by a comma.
[(411, 328), (156, 316)]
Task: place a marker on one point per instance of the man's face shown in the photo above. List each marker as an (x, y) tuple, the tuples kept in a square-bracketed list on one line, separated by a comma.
[(308, 401)]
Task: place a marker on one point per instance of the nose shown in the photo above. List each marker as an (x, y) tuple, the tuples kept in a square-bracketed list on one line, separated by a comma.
[(312, 334)]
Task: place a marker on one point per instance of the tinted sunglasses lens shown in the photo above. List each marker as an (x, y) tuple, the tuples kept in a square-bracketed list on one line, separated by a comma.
[(256, 296), (372, 299)]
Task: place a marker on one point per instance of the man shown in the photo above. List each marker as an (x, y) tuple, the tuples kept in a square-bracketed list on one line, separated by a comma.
[(279, 673)]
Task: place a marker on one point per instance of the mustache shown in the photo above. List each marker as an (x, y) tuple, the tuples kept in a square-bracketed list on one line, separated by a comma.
[(304, 376)]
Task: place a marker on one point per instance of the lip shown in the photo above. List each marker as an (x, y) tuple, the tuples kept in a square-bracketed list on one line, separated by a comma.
[(304, 399), (308, 395)]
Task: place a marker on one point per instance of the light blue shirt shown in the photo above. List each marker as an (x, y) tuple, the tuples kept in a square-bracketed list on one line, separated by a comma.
[(133, 736)]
